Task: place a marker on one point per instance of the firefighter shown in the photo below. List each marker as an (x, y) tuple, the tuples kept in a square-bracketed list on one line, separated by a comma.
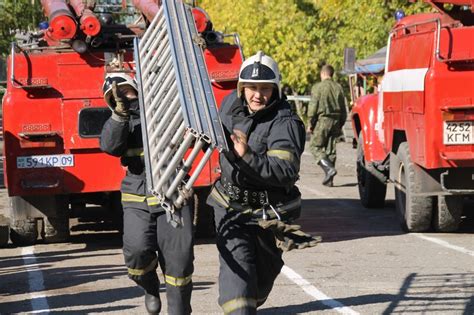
[(148, 237), (256, 195), (327, 116)]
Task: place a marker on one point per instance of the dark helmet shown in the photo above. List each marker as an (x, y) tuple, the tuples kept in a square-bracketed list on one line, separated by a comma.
[(122, 79)]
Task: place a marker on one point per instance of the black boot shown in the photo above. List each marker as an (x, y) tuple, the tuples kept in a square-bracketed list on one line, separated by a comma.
[(151, 284), (152, 303), (329, 170)]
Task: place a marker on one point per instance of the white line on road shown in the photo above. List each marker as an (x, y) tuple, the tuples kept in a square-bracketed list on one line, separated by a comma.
[(314, 292), (39, 303), (445, 244)]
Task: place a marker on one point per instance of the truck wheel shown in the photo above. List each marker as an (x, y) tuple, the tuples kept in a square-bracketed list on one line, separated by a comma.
[(203, 214), (24, 212), (56, 230), (4, 231), (414, 212), (23, 232), (56, 220), (371, 190), (447, 216)]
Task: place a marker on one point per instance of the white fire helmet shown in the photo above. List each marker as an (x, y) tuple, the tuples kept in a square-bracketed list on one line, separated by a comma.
[(122, 79), (259, 68)]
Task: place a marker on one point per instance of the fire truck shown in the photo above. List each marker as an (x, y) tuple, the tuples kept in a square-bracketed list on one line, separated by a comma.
[(53, 112), (417, 130)]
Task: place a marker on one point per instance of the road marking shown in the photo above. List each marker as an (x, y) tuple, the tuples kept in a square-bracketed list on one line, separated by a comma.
[(314, 292), (39, 303), (445, 244)]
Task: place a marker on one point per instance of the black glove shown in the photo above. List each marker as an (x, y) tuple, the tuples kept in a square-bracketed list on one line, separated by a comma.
[(122, 104), (288, 236), (240, 120)]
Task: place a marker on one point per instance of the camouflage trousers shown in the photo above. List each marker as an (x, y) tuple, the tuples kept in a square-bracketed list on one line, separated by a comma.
[(323, 141)]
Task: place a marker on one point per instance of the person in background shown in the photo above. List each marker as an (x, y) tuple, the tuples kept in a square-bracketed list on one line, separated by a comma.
[(148, 237), (327, 115), (256, 197)]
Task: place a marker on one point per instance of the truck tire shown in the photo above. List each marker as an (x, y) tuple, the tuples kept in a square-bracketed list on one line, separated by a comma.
[(56, 230), (26, 210), (204, 226), (23, 232), (447, 215), (4, 231), (56, 220), (414, 212), (371, 190)]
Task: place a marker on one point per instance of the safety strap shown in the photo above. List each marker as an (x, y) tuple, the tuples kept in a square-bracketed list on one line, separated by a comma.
[(238, 303), (147, 269), (177, 281)]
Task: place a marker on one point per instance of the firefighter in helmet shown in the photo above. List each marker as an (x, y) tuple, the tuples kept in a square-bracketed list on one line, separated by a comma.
[(256, 197), (148, 237)]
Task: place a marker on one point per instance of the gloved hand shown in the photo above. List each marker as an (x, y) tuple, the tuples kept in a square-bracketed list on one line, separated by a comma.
[(288, 236), (240, 121), (122, 107)]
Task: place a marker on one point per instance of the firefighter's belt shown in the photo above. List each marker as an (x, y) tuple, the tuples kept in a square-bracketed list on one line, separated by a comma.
[(248, 197), (288, 211)]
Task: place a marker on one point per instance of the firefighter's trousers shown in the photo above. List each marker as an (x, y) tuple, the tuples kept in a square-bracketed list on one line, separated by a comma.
[(149, 238), (249, 262)]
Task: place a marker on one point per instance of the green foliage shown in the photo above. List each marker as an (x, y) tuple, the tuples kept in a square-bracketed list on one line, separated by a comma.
[(17, 14), (302, 35)]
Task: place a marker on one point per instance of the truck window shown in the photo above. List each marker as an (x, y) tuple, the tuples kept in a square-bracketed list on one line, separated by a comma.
[(91, 121)]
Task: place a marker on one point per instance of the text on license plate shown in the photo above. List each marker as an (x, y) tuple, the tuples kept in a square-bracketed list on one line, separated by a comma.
[(458, 132), (43, 161)]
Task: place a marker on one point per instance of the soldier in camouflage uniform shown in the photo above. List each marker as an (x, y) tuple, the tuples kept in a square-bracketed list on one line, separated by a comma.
[(327, 114)]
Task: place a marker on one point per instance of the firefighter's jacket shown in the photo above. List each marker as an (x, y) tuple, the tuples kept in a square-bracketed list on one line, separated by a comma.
[(275, 138), (123, 138), (327, 100)]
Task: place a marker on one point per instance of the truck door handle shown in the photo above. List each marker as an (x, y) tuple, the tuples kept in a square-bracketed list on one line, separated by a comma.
[(38, 135)]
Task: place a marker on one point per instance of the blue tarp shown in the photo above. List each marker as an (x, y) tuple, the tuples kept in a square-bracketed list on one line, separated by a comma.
[(375, 63)]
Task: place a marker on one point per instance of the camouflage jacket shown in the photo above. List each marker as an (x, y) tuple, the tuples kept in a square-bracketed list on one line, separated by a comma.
[(327, 100)]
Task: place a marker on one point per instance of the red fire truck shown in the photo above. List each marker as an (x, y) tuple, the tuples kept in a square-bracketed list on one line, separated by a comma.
[(53, 113), (417, 132)]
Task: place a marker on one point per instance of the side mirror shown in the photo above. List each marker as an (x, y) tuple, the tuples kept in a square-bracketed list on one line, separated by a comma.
[(349, 60)]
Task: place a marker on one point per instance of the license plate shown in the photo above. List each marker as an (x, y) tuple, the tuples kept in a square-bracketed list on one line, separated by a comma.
[(45, 161), (458, 132)]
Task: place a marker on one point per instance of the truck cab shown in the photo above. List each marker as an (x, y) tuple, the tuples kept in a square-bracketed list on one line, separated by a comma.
[(417, 131), (53, 112)]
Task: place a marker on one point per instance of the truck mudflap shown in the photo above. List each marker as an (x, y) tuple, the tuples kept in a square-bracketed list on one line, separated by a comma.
[(180, 124)]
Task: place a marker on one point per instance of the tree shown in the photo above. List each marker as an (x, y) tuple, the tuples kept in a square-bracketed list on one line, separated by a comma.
[(282, 29), (302, 35), (17, 15), (362, 24)]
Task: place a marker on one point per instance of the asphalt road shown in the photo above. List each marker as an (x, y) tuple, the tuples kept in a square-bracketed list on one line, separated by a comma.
[(365, 265)]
